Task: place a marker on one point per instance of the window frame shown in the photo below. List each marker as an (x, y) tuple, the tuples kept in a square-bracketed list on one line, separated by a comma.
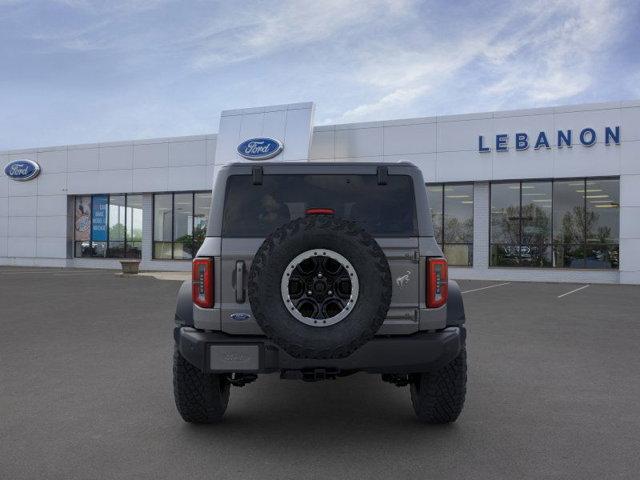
[(125, 241), (173, 194), (553, 243), (442, 242)]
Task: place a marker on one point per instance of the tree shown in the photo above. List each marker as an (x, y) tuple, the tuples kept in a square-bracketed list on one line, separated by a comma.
[(456, 231), (577, 222), (116, 232), (525, 233), (191, 243)]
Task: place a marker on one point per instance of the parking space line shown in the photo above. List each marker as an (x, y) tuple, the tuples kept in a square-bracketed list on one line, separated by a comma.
[(573, 291), (485, 288)]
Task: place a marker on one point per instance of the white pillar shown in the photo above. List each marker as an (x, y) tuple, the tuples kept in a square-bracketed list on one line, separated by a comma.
[(481, 212), (629, 229)]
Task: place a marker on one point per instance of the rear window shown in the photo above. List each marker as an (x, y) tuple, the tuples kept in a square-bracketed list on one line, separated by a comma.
[(256, 210)]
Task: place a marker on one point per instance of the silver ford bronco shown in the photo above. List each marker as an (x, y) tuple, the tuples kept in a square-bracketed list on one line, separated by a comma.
[(317, 271)]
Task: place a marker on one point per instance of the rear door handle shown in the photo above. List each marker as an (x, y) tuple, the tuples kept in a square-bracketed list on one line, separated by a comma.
[(240, 281)]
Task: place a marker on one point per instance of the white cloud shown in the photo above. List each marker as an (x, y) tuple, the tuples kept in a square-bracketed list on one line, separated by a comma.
[(397, 98), (256, 33), (158, 68), (112, 6), (633, 84), (404, 76), (544, 52), (556, 63)]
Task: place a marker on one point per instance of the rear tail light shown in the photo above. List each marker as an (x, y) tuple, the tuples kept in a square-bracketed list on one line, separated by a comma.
[(320, 211), (202, 282), (437, 282)]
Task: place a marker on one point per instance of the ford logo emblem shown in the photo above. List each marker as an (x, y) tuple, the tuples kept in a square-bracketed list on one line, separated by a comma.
[(22, 170), (239, 317), (260, 148)]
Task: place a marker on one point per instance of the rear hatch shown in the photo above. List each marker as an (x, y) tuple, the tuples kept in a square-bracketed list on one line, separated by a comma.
[(385, 208)]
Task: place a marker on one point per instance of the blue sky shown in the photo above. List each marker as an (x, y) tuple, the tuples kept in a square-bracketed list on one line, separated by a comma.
[(76, 71)]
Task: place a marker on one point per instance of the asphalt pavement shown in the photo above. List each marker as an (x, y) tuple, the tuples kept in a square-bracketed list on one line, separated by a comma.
[(85, 392)]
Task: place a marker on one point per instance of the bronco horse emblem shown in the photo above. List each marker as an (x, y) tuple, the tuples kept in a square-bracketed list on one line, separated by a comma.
[(403, 280)]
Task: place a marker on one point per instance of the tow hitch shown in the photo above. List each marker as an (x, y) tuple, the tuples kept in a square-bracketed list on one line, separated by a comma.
[(310, 375)]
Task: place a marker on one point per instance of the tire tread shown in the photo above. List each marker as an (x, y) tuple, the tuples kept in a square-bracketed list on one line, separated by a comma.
[(199, 397), (438, 397)]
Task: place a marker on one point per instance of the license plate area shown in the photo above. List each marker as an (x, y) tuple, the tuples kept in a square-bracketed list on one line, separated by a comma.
[(234, 358)]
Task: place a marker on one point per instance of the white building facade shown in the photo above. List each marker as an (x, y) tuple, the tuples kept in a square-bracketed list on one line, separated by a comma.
[(550, 194)]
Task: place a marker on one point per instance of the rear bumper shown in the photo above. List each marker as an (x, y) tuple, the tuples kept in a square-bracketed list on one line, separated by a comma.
[(217, 352)]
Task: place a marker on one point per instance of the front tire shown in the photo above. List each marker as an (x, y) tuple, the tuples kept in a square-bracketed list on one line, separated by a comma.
[(200, 397), (438, 397)]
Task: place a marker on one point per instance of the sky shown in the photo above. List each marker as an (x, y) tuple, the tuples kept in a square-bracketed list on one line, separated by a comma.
[(77, 71)]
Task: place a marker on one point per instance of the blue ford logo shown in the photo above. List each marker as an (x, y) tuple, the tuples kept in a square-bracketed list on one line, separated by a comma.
[(239, 317), (22, 170), (260, 148)]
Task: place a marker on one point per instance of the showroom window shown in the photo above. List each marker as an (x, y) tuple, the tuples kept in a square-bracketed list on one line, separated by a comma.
[(179, 224), (108, 226), (451, 206), (563, 224)]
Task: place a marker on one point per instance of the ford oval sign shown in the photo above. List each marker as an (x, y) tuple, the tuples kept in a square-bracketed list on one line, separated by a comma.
[(22, 170), (260, 148)]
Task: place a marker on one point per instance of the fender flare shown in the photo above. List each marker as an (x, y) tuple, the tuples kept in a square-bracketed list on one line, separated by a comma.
[(455, 306), (184, 306)]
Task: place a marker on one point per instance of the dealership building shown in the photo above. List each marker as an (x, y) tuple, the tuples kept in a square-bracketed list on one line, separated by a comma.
[(548, 194)]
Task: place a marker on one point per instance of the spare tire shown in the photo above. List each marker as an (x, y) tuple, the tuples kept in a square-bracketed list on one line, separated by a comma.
[(320, 287)]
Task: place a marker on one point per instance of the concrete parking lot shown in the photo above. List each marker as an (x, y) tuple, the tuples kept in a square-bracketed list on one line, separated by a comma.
[(85, 392)]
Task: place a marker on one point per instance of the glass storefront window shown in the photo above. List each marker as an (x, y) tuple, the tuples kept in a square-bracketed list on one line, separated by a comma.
[(436, 206), (134, 226), (458, 224), (180, 222), (568, 212), (564, 223), (117, 219), (505, 224), (201, 205), (162, 225), (569, 223), (108, 226), (603, 223), (82, 226), (182, 225), (536, 200), (451, 208), (603, 211)]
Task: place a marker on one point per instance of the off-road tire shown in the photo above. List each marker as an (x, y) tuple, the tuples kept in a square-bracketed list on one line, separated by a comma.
[(320, 232), (200, 397), (438, 397)]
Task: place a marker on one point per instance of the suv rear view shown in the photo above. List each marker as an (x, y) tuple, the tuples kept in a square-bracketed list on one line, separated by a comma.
[(315, 271)]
